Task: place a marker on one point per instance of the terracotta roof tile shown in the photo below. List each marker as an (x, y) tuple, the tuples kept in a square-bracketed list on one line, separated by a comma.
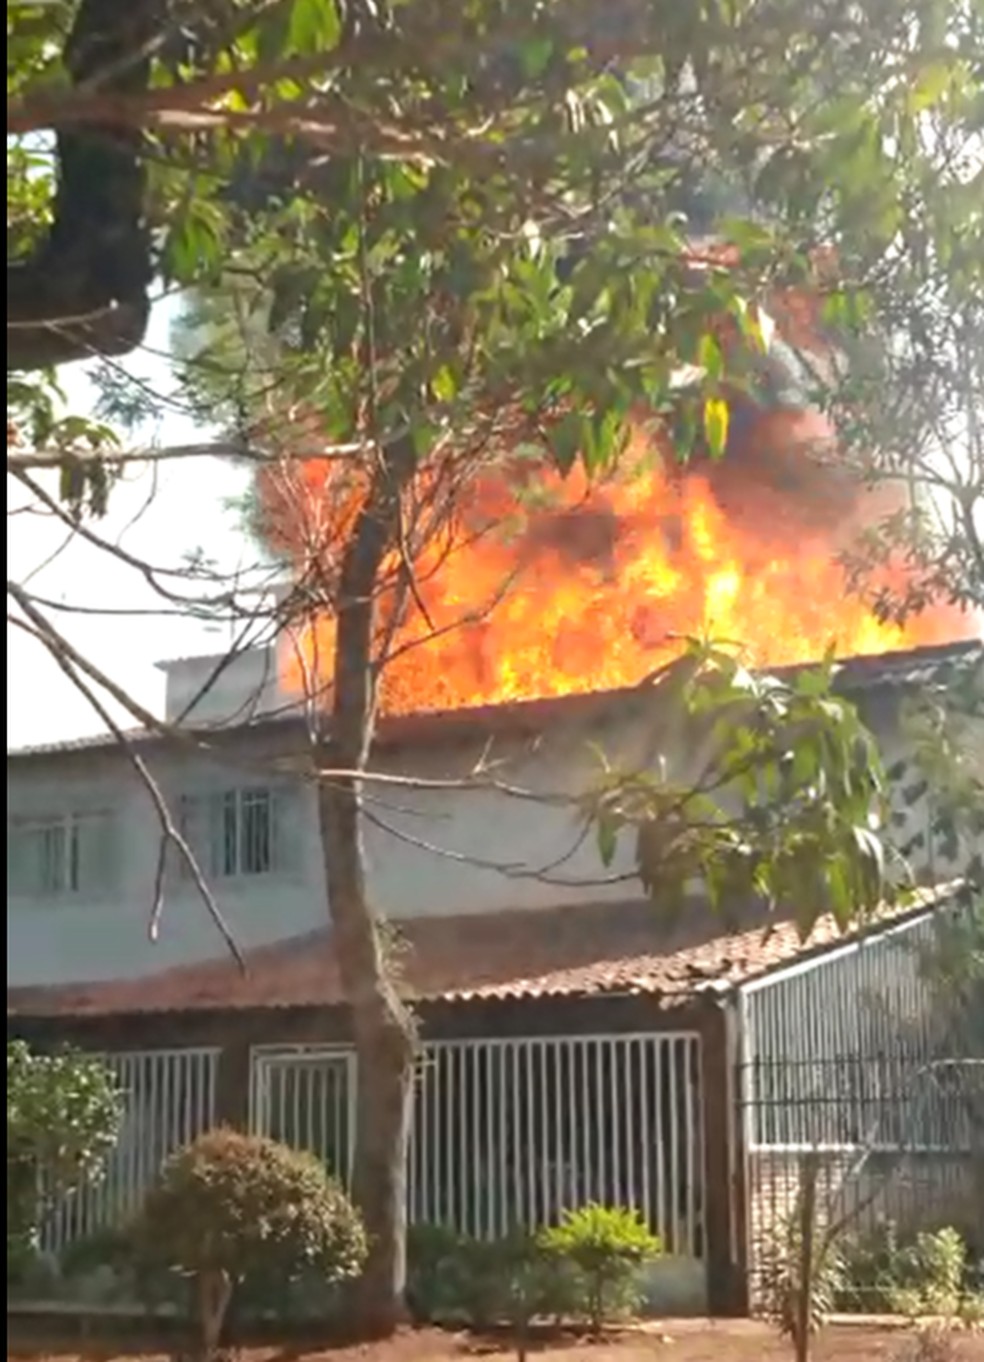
[(573, 951)]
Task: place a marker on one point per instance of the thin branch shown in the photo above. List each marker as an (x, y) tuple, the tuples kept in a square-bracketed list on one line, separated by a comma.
[(170, 834)]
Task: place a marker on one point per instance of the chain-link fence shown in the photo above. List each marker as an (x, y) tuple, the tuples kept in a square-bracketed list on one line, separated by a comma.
[(885, 1147)]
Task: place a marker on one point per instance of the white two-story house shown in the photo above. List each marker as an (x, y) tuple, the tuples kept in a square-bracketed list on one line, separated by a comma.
[(581, 1048)]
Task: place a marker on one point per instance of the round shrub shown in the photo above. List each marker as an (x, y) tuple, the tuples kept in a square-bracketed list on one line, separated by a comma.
[(607, 1245), (232, 1206)]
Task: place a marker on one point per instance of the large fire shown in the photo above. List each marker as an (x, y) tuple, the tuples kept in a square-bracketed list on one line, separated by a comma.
[(593, 586), (542, 586)]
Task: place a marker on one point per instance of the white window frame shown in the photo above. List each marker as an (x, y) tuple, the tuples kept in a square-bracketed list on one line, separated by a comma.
[(227, 852), (75, 875)]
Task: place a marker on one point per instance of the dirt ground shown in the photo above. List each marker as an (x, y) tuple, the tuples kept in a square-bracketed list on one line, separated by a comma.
[(673, 1341)]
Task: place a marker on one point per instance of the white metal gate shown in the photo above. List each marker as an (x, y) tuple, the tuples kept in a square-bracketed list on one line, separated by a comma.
[(304, 1096), (509, 1132), (169, 1099)]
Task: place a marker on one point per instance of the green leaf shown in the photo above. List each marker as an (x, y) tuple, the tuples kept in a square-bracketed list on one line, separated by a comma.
[(716, 425), (934, 81), (444, 385), (314, 27), (567, 440), (709, 356), (607, 839), (534, 54), (423, 435)]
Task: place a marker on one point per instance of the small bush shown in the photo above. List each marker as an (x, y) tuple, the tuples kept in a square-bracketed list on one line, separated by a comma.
[(233, 1206), (782, 1278), (63, 1117), (921, 1275), (110, 1251), (435, 1273), (932, 1343), (929, 1276), (607, 1246), (971, 1311), (451, 1277)]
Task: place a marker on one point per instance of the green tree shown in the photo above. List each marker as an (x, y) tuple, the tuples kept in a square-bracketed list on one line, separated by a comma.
[(134, 131), (229, 1207), (63, 1117)]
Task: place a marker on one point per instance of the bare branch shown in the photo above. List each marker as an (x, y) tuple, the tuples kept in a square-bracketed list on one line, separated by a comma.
[(170, 833)]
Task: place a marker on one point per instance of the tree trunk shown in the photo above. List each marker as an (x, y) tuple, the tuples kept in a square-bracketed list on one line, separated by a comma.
[(382, 1025), (803, 1327), (84, 289), (214, 1295)]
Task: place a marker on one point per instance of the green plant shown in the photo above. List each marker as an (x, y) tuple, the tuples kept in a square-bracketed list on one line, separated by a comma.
[(930, 1275), (783, 1283), (231, 1207), (135, 1277), (607, 1245), (918, 1275), (108, 1247), (435, 1285), (63, 1116), (869, 1259), (971, 1312), (513, 1279), (936, 1342)]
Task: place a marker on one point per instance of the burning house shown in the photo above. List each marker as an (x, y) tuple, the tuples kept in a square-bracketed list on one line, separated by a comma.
[(573, 1046)]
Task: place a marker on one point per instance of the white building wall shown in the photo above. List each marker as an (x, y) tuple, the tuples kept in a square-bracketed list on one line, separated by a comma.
[(433, 851), (430, 851)]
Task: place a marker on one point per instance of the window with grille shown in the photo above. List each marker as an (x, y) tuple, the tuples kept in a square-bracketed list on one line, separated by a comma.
[(64, 854), (237, 833)]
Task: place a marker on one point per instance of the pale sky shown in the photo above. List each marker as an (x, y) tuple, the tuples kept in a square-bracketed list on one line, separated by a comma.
[(186, 513)]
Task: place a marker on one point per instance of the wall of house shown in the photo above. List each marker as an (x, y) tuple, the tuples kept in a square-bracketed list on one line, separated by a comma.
[(489, 826)]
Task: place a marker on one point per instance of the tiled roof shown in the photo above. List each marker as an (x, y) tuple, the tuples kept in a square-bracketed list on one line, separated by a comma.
[(571, 951), (899, 670)]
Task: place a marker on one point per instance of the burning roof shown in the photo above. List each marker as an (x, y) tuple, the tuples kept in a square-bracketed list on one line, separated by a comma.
[(528, 584), (593, 586), (907, 669)]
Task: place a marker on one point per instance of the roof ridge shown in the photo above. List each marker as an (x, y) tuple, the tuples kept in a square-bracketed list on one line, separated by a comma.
[(391, 726)]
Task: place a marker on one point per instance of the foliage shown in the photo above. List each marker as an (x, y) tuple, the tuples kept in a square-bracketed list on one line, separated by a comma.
[(784, 1279), (231, 1206), (109, 1256), (795, 759), (934, 1342), (63, 1117), (909, 413), (587, 1267), (435, 1289), (254, 116), (513, 1279), (920, 1274), (607, 1245), (930, 1275)]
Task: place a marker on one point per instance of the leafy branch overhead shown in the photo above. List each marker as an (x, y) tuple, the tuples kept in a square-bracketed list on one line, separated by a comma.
[(763, 787), (172, 123)]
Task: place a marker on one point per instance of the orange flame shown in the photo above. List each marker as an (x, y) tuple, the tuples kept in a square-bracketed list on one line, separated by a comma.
[(592, 586), (595, 588)]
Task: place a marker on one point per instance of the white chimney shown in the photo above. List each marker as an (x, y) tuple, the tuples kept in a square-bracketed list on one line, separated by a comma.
[(222, 692)]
